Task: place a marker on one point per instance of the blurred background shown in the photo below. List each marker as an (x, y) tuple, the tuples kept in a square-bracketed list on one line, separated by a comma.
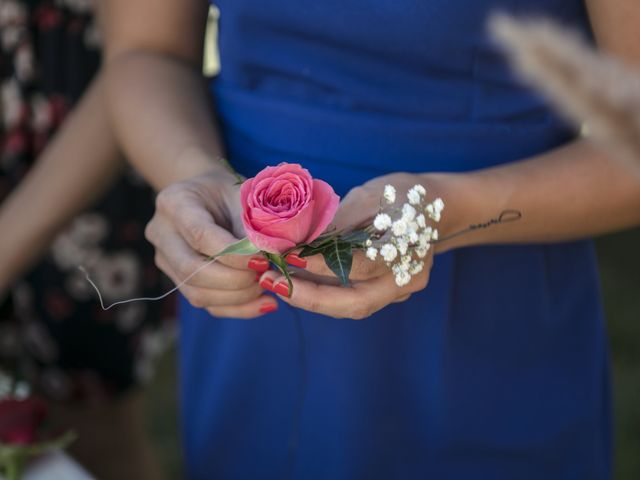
[(620, 275), (619, 257)]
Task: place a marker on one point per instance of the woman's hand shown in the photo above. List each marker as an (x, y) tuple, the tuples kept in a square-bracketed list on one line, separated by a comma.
[(373, 284), (197, 218)]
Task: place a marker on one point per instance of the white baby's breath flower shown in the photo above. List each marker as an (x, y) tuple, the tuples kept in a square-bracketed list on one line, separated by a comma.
[(368, 243), (413, 196), (424, 239), (420, 189), (416, 267), (372, 253), (389, 194), (388, 252), (399, 227), (408, 213), (438, 204), (402, 245), (382, 222), (413, 236), (434, 235), (421, 221), (422, 251), (405, 261), (402, 279)]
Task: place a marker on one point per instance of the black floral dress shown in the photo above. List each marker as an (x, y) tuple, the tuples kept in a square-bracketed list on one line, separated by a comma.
[(52, 329)]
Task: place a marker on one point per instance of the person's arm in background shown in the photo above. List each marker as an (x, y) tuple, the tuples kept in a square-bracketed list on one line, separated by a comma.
[(161, 114), (74, 169)]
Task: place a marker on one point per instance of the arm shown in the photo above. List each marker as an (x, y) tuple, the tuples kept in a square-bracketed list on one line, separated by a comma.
[(160, 112), (72, 172), (572, 192), (157, 97)]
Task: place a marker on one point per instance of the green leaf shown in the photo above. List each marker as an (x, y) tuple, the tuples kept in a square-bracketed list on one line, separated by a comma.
[(59, 443), (281, 265), (357, 237), (241, 247), (308, 250), (339, 257)]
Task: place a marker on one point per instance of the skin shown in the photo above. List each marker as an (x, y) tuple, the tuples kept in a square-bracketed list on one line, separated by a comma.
[(27, 221), (80, 162), (569, 193)]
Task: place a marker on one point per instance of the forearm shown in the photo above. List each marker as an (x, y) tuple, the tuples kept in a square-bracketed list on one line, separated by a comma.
[(573, 192), (72, 172), (160, 111)]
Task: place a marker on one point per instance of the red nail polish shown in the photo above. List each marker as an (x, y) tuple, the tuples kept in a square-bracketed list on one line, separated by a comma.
[(260, 265), (296, 260), (267, 284), (268, 308), (258, 275), (282, 288)]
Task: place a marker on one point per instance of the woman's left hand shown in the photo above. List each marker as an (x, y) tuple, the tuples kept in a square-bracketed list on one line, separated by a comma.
[(372, 283)]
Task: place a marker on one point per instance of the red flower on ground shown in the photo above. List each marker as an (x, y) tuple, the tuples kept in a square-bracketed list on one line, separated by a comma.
[(20, 420)]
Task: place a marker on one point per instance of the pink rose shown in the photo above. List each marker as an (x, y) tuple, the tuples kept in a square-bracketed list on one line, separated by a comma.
[(284, 207)]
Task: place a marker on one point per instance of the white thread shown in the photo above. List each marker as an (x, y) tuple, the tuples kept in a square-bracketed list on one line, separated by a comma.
[(143, 299)]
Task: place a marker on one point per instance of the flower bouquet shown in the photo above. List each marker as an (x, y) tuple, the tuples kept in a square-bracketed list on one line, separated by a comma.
[(286, 210)]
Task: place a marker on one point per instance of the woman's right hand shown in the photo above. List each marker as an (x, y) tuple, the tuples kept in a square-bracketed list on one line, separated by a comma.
[(197, 218)]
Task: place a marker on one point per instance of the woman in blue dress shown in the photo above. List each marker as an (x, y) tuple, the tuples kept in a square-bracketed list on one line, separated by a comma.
[(498, 368)]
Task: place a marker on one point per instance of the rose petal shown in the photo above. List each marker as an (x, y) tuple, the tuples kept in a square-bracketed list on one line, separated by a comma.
[(326, 203), (296, 228), (269, 244)]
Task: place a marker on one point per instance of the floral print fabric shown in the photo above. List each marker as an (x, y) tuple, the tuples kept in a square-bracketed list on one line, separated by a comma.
[(52, 329)]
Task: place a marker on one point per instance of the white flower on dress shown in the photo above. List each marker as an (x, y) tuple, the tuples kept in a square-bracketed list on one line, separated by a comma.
[(24, 63), (12, 12), (12, 104), (118, 275), (39, 343), (42, 115), (130, 316), (372, 253)]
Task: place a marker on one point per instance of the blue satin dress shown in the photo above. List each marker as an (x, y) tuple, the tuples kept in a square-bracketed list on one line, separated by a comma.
[(499, 368)]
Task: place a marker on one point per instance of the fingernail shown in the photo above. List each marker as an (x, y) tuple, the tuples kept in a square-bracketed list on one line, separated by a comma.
[(296, 260), (258, 264), (282, 288), (268, 308), (267, 284)]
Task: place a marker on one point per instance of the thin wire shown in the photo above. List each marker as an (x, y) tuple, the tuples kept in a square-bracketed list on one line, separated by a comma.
[(143, 299)]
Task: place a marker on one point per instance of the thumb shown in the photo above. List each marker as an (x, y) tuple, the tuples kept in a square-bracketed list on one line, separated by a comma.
[(357, 209), (197, 226)]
